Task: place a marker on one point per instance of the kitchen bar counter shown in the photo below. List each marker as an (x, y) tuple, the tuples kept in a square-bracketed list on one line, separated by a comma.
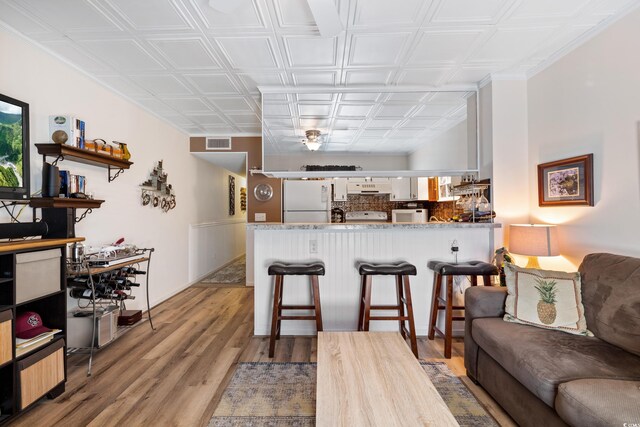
[(340, 247), (367, 225)]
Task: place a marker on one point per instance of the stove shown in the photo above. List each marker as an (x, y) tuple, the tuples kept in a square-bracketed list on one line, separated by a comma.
[(366, 216)]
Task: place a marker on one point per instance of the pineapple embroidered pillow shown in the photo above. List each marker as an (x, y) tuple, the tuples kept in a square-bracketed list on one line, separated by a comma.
[(546, 299)]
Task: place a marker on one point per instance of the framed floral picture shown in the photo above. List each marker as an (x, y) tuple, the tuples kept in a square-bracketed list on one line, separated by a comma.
[(567, 182)]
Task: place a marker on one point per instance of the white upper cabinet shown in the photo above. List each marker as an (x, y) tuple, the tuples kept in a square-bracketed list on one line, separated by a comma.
[(420, 187), (400, 189), (340, 189)]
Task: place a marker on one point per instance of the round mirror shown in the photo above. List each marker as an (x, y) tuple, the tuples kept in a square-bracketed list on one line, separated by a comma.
[(263, 192)]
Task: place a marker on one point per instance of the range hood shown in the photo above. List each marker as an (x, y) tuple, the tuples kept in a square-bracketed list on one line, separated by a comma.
[(369, 188)]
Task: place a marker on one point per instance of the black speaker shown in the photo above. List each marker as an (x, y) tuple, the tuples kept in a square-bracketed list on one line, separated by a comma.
[(16, 230), (50, 180), (61, 222)]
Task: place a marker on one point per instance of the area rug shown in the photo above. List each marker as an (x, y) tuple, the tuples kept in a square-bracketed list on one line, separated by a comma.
[(233, 273), (284, 394)]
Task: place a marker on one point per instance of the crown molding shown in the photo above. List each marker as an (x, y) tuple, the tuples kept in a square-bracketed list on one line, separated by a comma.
[(363, 89), (582, 39), (68, 63), (495, 77)]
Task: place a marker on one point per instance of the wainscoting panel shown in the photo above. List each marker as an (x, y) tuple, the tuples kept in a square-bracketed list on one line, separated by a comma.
[(340, 287), (214, 244)]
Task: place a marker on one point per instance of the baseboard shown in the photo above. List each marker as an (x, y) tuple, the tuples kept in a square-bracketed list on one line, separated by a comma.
[(172, 294), (204, 276)]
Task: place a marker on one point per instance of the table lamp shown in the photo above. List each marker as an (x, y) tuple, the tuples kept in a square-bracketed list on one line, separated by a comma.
[(533, 240)]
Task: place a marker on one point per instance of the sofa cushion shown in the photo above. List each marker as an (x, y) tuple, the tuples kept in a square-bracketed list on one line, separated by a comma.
[(611, 298), (599, 403), (541, 359), (545, 299)]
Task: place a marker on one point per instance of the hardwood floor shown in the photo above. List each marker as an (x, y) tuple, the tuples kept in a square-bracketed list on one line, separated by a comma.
[(176, 375)]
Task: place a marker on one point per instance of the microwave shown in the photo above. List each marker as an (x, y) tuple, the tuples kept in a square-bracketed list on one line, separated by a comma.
[(409, 216)]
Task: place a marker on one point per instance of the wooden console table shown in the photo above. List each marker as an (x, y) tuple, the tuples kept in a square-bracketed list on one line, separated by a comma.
[(373, 379)]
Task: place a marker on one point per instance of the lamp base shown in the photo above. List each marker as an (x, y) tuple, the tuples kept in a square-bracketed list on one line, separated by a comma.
[(532, 262)]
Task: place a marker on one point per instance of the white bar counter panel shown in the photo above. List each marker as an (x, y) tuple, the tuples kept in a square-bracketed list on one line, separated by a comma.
[(340, 247)]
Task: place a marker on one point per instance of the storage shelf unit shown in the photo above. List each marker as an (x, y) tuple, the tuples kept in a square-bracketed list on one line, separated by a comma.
[(39, 371), (90, 273), (474, 192)]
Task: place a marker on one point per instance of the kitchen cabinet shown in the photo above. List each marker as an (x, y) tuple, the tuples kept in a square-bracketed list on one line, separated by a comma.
[(414, 188), (340, 189), (400, 189), (421, 188), (440, 188)]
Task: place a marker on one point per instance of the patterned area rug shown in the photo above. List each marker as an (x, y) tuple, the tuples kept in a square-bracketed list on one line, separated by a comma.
[(233, 273), (284, 394)]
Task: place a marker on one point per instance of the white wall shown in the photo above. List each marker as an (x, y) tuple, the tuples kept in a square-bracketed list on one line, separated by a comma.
[(448, 150), (510, 184), (53, 87), (589, 102)]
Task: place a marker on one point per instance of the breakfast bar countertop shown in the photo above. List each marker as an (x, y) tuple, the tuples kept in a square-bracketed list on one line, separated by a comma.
[(368, 225)]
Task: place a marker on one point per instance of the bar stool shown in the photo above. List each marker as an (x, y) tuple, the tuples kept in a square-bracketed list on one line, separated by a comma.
[(449, 270), (402, 271), (281, 269)]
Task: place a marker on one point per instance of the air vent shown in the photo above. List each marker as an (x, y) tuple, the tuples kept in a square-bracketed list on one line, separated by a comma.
[(218, 143)]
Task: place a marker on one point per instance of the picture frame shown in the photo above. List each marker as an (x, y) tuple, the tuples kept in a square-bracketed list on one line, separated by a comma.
[(232, 196), (567, 182)]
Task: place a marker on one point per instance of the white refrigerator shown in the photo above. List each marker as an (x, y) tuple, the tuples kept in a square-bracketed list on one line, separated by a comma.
[(307, 201)]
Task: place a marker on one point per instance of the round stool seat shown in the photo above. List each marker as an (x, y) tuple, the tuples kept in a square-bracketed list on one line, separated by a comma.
[(296, 269), (469, 268), (386, 269)]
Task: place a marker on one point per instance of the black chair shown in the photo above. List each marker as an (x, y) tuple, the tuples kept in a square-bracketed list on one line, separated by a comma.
[(450, 270), (402, 271), (281, 269)]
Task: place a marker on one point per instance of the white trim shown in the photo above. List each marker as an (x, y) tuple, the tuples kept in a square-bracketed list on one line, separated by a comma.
[(92, 77), (225, 135), (218, 223), (204, 276), (493, 77), (472, 87), (348, 174), (171, 295), (582, 39)]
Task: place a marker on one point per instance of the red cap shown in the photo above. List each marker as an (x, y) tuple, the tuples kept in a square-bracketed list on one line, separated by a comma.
[(29, 325)]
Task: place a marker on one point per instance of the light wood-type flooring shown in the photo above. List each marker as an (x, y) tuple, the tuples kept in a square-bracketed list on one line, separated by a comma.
[(176, 375)]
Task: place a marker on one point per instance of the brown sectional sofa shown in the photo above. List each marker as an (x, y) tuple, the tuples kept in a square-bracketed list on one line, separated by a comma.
[(551, 378)]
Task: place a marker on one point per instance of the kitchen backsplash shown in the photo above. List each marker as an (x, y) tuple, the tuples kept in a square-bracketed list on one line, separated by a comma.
[(357, 202), (381, 203)]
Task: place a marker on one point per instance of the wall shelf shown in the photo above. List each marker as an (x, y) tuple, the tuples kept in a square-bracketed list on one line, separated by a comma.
[(64, 202), (66, 152)]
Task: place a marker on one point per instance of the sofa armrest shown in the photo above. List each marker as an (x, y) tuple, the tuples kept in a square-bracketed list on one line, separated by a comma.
[(479, 302)]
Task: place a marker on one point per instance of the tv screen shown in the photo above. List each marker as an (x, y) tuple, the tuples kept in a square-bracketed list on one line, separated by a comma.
[(14, 148)]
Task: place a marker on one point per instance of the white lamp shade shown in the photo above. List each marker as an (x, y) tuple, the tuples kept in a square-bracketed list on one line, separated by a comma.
[(534, 239), (312, 145)]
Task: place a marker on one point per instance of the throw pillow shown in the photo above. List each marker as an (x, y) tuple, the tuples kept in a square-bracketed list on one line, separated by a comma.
[(546, 299)]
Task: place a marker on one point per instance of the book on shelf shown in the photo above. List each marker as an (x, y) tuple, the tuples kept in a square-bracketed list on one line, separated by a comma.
[(26, 345)]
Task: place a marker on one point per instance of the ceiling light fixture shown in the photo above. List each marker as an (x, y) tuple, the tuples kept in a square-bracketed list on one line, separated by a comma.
[(313, 140)]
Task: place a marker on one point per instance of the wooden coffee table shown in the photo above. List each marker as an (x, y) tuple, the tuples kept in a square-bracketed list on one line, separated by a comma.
[(373, 379)]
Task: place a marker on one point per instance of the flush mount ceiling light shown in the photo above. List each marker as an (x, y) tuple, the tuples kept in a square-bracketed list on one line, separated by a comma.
[(313, 140)]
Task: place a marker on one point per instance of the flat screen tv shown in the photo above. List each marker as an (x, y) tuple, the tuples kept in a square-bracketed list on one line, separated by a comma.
[(14, 149)]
